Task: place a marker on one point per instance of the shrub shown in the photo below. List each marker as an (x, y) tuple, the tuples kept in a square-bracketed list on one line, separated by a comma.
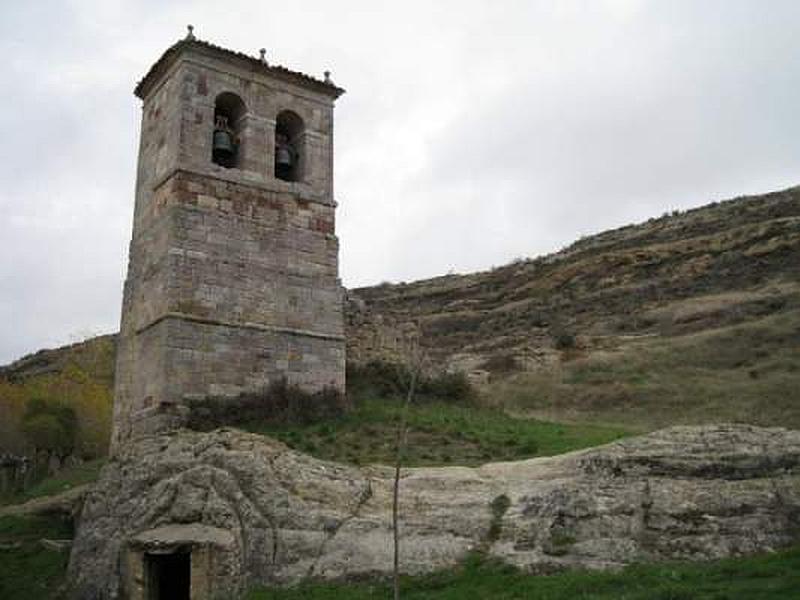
[(386, 379), (499, 508), (280, 402), (378, 378), (449, 387), (564, 340), (50, 426)]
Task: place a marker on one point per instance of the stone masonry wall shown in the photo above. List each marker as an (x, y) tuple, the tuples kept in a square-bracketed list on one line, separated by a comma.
[(372, 336), (233, 274)]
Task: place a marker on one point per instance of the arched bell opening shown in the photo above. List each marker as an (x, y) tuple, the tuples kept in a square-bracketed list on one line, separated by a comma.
[(229, 110), (289, 146)]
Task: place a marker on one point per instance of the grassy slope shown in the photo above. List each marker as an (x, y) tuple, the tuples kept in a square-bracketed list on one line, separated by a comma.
[(94, 356), (29, 571), (65, 480), (684, 319), (439, 434), (770, 577), (746, 373)]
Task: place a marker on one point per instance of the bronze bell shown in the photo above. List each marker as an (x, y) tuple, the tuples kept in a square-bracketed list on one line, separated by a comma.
[(283, 156), (223, 145)]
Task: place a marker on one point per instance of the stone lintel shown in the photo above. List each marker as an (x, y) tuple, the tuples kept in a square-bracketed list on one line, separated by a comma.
[(170, 536)]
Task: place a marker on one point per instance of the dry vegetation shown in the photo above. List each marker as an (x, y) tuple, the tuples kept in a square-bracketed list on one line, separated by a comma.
[(742, 373), (691, 317), (59, 400)]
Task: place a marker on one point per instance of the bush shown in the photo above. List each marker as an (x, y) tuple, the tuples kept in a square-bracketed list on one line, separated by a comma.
[(385, 379), (278, 403), (448, 387), (564, 340), (50, 426), (378, 378)]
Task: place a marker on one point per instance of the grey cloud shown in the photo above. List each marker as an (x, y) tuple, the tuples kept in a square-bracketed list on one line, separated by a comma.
[(470, 134), (609, 143)]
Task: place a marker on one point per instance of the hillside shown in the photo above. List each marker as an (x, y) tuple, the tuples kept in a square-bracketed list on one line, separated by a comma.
[(59, 402), (717, 265), (94, 356), (690, 317)]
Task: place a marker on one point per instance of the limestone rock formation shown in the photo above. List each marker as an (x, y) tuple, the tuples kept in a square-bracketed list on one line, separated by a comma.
[(250, 510)]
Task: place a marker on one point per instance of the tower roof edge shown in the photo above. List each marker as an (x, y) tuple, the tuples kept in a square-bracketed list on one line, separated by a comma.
[(172, 53)]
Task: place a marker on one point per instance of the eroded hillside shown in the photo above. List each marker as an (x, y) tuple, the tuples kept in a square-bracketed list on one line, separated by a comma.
[(693, 317), (718, 265)]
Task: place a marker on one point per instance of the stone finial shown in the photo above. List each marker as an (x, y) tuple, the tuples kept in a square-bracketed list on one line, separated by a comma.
[(328, 77), (263, 53), (190, 32)]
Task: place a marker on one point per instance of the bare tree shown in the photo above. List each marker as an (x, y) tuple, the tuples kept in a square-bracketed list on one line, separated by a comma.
[(415, 366)]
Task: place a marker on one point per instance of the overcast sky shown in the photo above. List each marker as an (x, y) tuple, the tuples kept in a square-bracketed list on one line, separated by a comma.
[(471, 133)]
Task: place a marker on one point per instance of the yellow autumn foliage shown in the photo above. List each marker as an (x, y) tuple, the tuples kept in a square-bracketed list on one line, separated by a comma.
[(89, 398)]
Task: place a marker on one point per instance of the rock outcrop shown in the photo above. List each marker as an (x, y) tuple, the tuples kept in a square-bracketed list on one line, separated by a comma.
[(257, 512)]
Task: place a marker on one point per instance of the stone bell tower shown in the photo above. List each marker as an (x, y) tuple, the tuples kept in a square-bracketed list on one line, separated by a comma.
[(233, 268)]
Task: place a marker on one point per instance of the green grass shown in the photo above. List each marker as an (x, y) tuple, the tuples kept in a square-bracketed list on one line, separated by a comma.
[(743, 373), (439, 434), (769, 577), (27, 570), (66, 480)]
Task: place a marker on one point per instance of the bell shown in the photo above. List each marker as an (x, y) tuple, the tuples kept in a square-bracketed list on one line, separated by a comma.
[(283, 157), (223, 144)]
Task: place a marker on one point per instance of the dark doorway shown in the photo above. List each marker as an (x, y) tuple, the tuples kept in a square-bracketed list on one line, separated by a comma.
[(169, 576)]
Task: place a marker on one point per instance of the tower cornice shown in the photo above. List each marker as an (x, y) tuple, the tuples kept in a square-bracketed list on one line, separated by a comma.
[(173, 53)]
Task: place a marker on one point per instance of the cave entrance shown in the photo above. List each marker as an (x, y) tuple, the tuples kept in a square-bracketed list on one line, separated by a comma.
[(169, 576)]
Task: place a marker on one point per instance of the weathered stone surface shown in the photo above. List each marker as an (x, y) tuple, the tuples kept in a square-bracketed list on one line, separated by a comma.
[(685, 492), (233, 272), (373, 337)]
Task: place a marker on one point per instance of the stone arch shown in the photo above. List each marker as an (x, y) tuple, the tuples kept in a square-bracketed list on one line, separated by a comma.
[(226, 142), (290, 157)]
